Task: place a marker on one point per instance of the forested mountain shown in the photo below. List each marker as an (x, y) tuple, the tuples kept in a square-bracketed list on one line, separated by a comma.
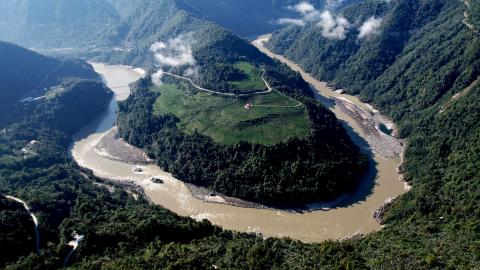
[(55, 23), (320, 167), (27, 75), (421, 66)]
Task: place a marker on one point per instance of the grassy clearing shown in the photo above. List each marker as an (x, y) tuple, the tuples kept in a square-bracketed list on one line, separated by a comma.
[(253, 80), (227, 121)]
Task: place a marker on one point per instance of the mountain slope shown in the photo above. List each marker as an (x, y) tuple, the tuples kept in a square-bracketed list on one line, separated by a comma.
[(28, 73), (384, 69), (422, 69), (55, 23)]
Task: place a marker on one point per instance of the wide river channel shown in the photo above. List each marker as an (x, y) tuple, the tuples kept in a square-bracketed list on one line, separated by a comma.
[(353, 215)]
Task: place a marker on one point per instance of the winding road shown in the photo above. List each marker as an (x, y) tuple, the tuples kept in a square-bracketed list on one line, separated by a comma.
[(34, 218), (222, 93), (74, 244), (270, 89), (465, 20)]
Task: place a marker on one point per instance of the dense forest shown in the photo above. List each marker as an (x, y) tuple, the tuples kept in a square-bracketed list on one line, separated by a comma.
[(28, 75), (421, 69)]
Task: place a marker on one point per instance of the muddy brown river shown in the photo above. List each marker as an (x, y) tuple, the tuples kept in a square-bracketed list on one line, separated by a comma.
[(353, 215)]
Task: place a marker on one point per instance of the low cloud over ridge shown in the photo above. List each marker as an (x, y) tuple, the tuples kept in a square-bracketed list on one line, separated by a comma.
[(175, 52), (333, 27), (370, 27)]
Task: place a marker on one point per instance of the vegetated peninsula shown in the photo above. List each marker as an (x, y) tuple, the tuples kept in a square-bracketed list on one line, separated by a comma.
[(244, 126)]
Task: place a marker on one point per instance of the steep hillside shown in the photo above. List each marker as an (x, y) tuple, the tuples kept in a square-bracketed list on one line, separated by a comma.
[(55, 23), (27, 76), (26, 73), (384, 68), (421, 67)]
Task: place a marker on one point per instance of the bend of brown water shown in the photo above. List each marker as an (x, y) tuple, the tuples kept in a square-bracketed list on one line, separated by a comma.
[(353, 215)]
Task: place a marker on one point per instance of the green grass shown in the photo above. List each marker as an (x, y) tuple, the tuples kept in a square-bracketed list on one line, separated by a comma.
[(227, 121), (253, 80)]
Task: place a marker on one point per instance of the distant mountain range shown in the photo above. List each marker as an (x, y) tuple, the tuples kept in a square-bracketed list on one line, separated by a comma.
[(55, 23)]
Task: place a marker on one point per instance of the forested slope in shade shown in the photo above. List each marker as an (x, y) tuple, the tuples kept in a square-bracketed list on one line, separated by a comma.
[(323, 165), (26, 73)]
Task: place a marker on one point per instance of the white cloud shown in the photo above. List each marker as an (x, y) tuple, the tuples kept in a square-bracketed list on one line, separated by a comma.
[(298, 22), (157, 78), (303, 7), (312, 16), (331, 4), (175, 52), (307, 10), (370, 27), (191, 72), (333, 27)]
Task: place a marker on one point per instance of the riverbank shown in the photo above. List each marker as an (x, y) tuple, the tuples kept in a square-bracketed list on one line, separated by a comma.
[(111, 147), (388, 146)]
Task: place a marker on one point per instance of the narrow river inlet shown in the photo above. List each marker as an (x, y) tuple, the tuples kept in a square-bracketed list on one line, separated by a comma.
[(352, 215)]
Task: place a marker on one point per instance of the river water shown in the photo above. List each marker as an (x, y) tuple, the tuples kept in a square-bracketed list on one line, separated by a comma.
[(354, 215)]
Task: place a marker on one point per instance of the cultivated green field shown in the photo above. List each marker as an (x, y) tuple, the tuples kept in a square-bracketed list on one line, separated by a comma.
[(253, 80), (227, 121)]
